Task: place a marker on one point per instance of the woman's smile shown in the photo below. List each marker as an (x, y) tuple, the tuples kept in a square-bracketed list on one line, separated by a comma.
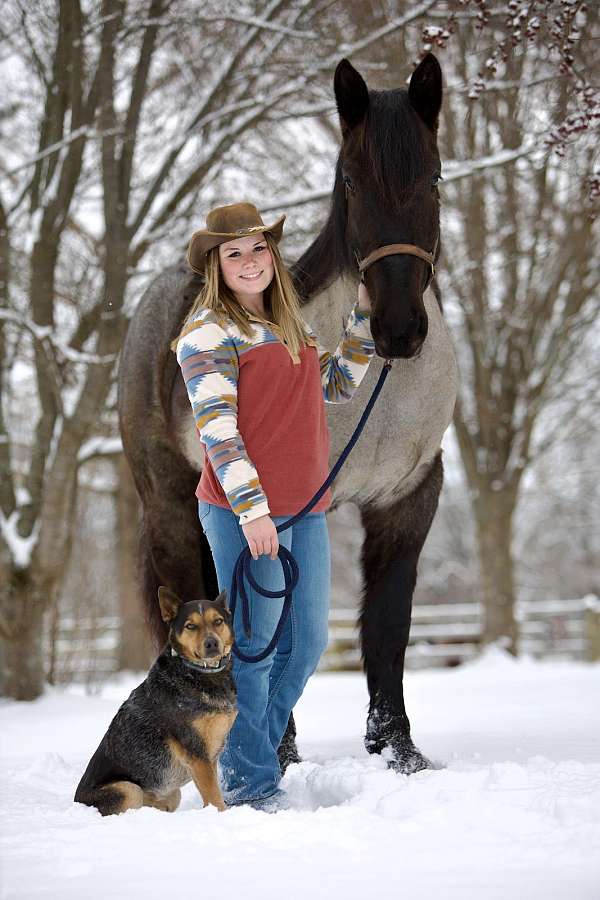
[(253, 275)]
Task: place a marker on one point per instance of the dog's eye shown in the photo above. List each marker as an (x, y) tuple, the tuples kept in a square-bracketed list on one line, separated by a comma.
[(190, 626), (218, 622)]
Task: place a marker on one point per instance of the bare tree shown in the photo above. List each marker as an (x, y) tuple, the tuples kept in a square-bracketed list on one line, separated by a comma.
[(521, 277), (120, 118), (144, 105)]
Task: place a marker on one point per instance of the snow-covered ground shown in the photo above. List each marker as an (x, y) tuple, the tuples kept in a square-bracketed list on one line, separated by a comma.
[(515, 813)]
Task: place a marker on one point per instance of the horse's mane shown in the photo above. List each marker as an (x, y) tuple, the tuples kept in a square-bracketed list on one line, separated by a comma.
[(391, 150)]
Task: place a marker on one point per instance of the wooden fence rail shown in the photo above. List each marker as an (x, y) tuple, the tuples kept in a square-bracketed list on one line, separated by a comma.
[(86, 649), (448, 634)]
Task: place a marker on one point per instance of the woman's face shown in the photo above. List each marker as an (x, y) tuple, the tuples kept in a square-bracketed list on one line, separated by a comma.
[(246, 265)]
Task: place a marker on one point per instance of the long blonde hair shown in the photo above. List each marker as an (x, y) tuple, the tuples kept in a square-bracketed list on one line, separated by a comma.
[(281, 302)]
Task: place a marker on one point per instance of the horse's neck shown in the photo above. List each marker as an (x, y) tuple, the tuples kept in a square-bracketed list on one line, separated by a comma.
[(403, 434), (328, 310)]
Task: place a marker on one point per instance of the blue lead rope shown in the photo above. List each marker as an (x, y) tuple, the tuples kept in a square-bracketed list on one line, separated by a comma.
[(291, 572)]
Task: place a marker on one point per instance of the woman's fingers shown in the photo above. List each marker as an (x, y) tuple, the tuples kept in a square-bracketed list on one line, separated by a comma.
[(267, 546), (274, 546), (261, 535)]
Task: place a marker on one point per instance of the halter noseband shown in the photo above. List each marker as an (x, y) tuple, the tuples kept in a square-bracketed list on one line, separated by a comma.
[(392, 250)]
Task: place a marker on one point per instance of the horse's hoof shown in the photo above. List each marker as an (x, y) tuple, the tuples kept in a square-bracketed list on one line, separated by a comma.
[(406, 759), (287, 753), (399, 752)]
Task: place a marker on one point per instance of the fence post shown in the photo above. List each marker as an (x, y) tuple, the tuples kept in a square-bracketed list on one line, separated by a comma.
[(592, 628)]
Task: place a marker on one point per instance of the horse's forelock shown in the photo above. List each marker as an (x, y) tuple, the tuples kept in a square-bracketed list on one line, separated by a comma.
[(392, 145)]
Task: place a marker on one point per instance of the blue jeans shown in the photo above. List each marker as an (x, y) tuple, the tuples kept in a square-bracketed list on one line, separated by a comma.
[(267, 691)]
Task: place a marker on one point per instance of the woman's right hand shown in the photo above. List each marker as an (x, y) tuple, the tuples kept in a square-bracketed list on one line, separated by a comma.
[(262, 537)]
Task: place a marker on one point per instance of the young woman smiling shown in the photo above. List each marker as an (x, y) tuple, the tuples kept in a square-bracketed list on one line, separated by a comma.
[(257, 381)]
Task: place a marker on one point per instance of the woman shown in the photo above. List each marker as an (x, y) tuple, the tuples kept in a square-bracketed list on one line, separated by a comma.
[(257, 378)]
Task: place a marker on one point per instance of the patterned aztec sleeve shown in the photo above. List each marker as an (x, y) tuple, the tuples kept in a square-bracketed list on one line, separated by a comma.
[(210, 368), (343, 371)]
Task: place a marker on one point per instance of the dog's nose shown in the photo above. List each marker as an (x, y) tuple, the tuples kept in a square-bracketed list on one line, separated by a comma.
[(211, 646)]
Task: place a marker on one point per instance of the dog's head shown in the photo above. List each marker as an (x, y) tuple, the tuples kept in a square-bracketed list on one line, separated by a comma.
[(199, 632)]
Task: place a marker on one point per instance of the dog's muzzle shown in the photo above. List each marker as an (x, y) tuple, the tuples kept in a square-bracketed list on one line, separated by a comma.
[(204, 666)]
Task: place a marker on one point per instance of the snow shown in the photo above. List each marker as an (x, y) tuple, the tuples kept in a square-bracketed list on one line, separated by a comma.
[(20, 548), (514, 813)]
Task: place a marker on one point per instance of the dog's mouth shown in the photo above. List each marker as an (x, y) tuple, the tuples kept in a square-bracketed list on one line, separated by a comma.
[(210, 664)]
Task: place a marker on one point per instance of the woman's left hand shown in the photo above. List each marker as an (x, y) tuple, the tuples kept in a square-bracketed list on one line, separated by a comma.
[(364, 301)]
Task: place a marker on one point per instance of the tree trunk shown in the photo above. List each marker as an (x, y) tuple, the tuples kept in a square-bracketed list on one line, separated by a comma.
[(21, 649), (494, 519), (134, 646)]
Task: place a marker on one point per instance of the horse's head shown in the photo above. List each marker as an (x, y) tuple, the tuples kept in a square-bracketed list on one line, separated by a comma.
[(388, 168)]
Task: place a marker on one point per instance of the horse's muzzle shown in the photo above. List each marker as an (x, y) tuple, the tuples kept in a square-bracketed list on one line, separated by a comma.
[(405, 345)]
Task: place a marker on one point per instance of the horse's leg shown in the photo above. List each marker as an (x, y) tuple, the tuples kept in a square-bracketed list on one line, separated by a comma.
[(173, 550), (394, 537), (288, 751)]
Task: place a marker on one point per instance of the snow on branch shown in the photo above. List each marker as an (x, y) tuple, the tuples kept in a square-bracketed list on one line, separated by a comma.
[(85, 130), (252, 21), (301, 200), (45, 333), (99, 446), (20, 548), (384, 31), (453, 170)]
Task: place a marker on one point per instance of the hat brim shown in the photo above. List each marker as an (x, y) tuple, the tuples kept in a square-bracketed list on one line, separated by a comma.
[(203, 241)]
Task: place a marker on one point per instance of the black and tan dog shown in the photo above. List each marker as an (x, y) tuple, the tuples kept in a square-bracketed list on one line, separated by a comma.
[(172, 727)]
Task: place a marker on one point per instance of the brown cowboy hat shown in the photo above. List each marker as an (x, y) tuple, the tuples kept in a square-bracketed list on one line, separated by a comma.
[(224, 224)]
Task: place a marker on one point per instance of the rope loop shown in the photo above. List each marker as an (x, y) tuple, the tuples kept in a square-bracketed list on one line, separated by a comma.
[(291, 572)]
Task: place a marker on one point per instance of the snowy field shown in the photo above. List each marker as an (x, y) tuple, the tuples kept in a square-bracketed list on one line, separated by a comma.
[(515, 813)]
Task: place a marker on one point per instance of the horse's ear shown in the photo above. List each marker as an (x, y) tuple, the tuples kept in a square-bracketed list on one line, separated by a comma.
[(351, 95), (425, 90)]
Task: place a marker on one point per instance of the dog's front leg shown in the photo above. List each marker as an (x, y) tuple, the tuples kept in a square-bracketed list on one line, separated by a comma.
[(205, 779)]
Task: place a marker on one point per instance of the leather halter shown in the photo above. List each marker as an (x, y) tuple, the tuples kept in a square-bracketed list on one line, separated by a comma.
[(400, 249)]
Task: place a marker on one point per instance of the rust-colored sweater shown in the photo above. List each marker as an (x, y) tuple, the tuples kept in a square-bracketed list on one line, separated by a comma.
[(261, 415)]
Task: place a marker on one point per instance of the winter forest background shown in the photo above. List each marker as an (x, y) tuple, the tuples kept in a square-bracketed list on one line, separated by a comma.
[(122, 123)]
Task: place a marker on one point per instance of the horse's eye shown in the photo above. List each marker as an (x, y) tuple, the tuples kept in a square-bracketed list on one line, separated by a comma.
[(348, 184), (435, 179)]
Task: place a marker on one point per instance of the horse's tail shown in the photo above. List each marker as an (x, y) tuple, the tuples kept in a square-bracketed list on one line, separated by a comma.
[(149, 584), (172, 549)]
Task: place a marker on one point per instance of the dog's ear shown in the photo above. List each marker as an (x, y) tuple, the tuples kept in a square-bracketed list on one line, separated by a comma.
[(221, 600), (169, 604)]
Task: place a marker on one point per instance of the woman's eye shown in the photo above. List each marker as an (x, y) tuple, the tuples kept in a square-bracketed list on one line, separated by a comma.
[(259, 249), (233, 254)]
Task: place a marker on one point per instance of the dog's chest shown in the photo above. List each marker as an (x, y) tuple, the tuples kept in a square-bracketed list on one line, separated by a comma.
[(212, 729)]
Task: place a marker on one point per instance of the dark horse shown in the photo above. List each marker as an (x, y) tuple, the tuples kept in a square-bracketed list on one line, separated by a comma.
[(385, 192)]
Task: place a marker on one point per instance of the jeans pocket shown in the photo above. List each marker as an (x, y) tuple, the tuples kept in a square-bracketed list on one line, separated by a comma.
[(203, 512)]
